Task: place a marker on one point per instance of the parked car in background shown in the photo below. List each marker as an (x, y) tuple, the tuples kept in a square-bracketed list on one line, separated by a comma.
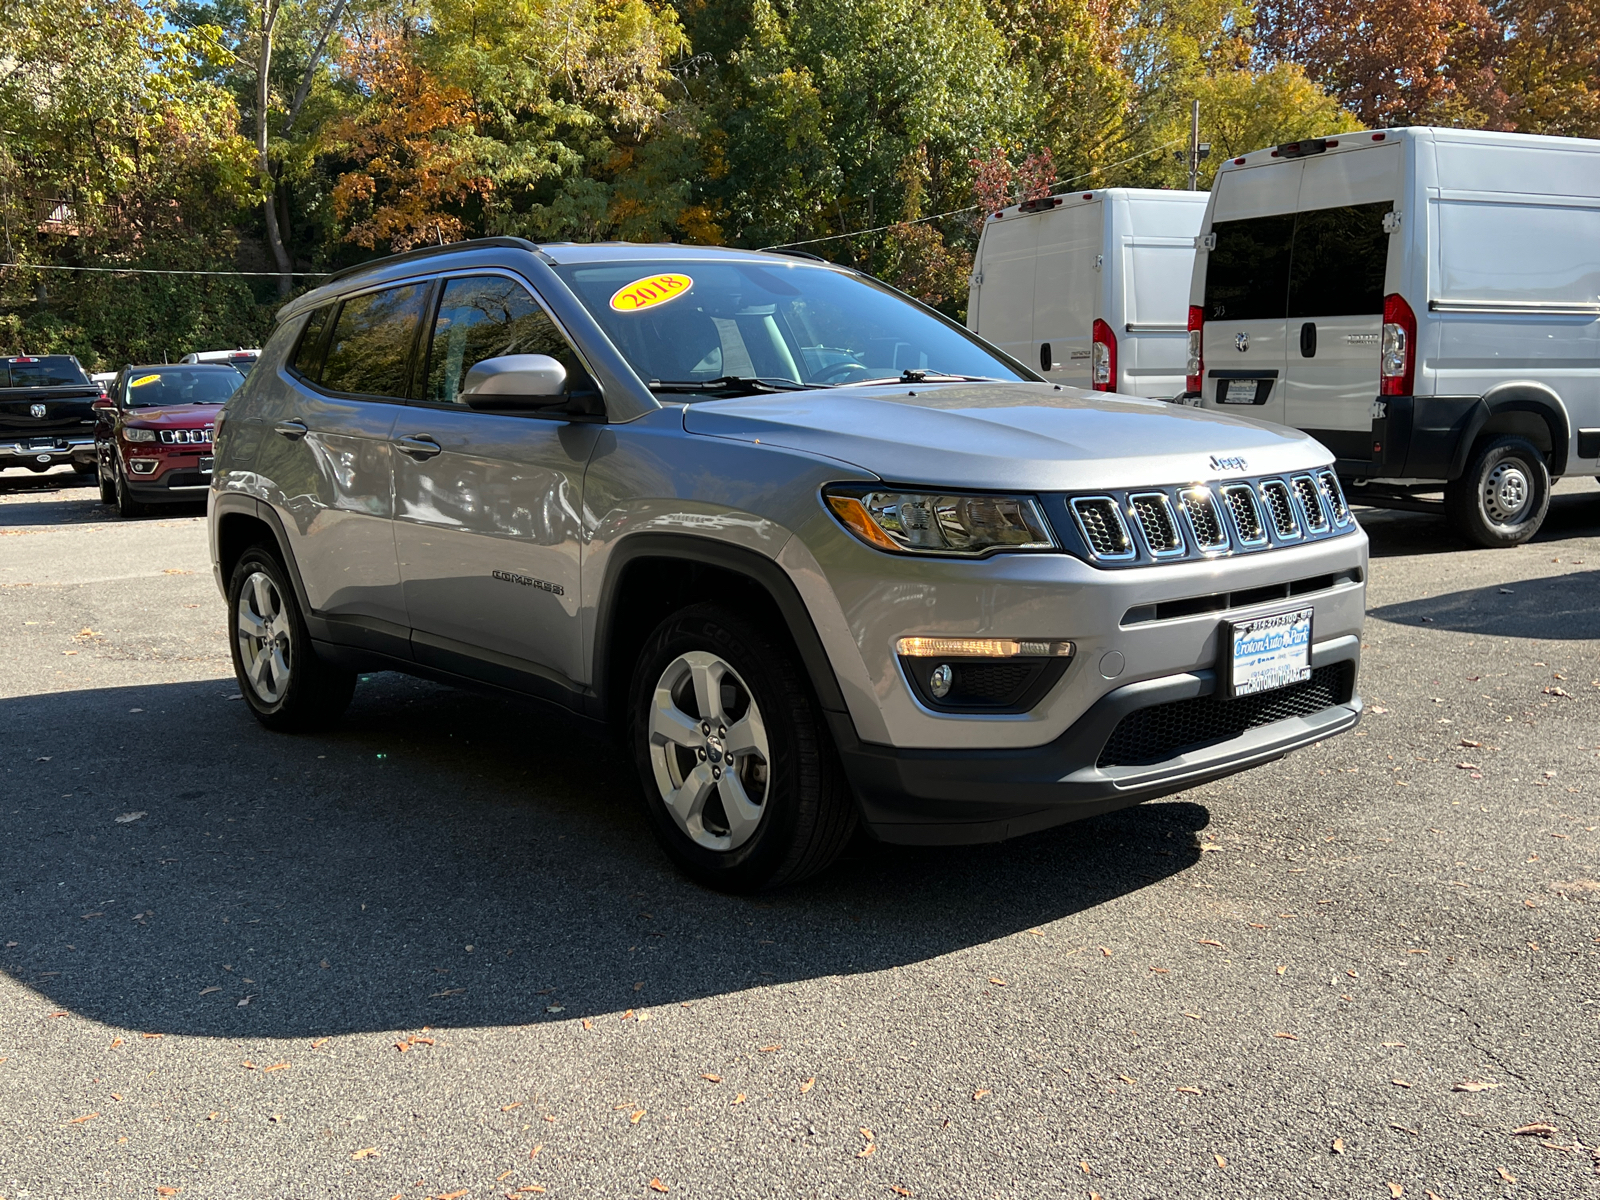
[(154, 433), (1424, 302), (45, 415), (242, 359), (825, 556), (1091, 286), (102, 380)]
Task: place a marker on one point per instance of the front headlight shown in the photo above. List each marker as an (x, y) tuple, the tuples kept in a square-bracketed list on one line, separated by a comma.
[(135, 434), (934, 523)]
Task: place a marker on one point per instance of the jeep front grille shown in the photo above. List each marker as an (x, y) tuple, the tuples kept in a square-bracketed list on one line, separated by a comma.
[(1305, 490), (1162, 536), (1187, 522), (186, 437), (1205, 522), (1103, 528), (1276, 495)]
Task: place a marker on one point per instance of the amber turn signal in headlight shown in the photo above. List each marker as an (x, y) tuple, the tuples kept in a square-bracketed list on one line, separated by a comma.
[(935, 647)]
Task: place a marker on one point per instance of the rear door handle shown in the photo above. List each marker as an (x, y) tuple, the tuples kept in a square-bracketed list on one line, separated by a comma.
[(293, 430), (1308, 340), (418, 446)]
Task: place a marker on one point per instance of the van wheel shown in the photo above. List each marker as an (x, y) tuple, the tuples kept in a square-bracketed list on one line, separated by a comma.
[(280, 676), (742, 784), (1502, 497)]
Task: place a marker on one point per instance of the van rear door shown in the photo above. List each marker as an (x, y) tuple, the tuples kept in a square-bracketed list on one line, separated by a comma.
[(1336, 290), (1007, 264), (1247, 290)]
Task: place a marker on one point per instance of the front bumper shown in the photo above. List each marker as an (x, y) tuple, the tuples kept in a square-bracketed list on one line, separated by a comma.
[(41, 453), (175, 478), (955, 797)]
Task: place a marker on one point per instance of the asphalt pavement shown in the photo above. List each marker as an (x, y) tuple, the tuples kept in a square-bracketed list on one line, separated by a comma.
[(434, 952)]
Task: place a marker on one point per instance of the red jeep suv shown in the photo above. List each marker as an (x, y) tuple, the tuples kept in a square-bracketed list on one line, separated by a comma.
[(153, 436)]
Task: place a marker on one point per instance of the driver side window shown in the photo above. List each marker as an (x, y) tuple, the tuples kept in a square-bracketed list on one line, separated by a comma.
[(485, 317)]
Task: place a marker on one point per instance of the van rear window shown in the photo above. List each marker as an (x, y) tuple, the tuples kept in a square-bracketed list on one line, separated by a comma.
[(1336, 267), (1247, 275), (1325, 262)]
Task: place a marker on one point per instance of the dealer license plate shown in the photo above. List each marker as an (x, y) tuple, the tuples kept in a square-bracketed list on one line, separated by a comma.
[(205, 464), (1269, 652)]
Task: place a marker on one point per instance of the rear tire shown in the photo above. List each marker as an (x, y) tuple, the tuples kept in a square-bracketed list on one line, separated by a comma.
[(742, 784), (1502, 497), (108, 489), (286, 685)]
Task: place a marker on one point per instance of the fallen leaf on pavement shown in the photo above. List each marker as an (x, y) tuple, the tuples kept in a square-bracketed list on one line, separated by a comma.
[(1473, 1085), (898, 1190), (657, 1186), (767, 1049), (1221, 1162), (209, 990), (152, 1036), (168, 1191), (1396, 1191), (1293, 1037), (1506, 1175), (318, 1043), (278, 1066), (1208, 848), (980, 1093), (1209, 942), (587, 1023), (709, 1078), (998, 982), (867, 1151), (1338, 1145), (808, 1084), (1127, 1079), (245, 1003), (1281, 970), (503, 1176), (369, 1152), (636, 1116), (510, 1107), (1403, 1083), (1189, 1091), (739, 1099), (1538, 1129), (82, 1119), (127, 818)]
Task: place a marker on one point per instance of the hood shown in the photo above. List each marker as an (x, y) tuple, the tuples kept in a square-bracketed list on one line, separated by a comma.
[(1010, 435), (174, 416)]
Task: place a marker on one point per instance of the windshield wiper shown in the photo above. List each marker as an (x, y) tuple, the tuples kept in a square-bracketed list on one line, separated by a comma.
[(920, 375), (732, 385)]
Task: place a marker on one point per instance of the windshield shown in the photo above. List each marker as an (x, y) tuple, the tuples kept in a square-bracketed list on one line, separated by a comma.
[(54, 371), (153, 387), (788, 324)]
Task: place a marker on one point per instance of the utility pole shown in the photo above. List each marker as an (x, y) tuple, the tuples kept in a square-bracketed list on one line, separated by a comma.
[(1198, 150)]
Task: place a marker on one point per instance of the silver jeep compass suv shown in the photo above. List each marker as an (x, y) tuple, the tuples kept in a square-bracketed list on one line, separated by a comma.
[(827, 558)]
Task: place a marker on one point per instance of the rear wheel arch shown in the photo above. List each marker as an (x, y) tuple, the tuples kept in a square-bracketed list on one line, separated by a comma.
[(242, 522), (1528, 410), (651, 576)]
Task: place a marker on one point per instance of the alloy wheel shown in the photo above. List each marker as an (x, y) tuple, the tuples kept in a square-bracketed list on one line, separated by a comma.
[(708, 751), (265, 646)]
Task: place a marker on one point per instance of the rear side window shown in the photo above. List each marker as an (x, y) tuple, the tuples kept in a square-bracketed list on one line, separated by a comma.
[(369, 353), (487, 316), (1337, 265), (308, 353), (1247, 275)]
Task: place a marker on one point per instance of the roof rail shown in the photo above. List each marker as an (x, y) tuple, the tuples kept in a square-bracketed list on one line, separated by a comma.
[(796, 254), (509, 243)]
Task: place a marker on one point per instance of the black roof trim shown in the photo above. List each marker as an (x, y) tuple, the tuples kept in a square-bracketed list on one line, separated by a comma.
[(797, 254), (425, 252)]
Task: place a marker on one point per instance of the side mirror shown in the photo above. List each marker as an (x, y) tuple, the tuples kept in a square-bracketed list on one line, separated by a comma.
[(514, 381), (103, 405)]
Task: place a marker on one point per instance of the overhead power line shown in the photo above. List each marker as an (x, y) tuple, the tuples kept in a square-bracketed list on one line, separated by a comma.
[(157, 271), (956, 212)]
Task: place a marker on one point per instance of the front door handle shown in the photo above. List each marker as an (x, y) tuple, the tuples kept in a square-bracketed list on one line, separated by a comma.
[(419, 446), (1308, 340), (293, 430)]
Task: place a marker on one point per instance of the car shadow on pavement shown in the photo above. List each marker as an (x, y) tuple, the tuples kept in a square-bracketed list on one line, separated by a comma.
[(1393, 533), (443, 858), (1553, 607)]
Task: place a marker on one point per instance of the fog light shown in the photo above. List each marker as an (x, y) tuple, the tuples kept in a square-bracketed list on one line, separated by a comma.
[(143, 466), (928, 647), (941, 679)]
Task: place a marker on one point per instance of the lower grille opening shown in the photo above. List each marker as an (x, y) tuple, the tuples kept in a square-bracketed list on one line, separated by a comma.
[(1164, 731)]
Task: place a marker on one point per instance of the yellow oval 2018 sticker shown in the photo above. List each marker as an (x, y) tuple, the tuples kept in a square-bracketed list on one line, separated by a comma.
[(650, 291), (144, 379)]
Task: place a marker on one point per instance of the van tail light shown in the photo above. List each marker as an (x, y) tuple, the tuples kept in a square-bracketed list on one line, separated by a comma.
[(1398, 355), (1195, 369), (1103, 358)]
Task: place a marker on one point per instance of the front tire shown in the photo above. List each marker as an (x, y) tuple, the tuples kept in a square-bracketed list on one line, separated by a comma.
[(108, 488), (286, 685), (742, 785), (127, 506), (1502, 497)]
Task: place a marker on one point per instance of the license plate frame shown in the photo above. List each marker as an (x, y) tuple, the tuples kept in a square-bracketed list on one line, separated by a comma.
[(1257, 658), (1244, 390)]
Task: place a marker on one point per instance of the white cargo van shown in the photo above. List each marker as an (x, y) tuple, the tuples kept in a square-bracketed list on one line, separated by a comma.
[(1425, 302), (1091, 286)]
